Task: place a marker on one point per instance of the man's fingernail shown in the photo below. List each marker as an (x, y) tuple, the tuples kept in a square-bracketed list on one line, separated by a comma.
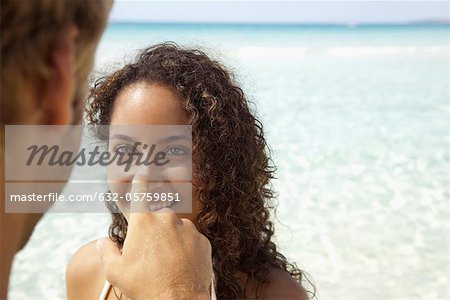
[(139, 177)]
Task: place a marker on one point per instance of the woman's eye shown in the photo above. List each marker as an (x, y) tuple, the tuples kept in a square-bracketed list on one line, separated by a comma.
[(123, 149), (177, 150)]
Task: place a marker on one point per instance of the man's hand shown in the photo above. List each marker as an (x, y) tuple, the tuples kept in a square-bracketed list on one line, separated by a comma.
[(163, 257)]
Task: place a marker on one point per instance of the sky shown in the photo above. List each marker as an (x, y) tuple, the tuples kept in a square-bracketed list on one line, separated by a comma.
[(273, 12)]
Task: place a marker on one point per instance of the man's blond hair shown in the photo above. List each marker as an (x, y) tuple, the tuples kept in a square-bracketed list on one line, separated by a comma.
[(29, 30)]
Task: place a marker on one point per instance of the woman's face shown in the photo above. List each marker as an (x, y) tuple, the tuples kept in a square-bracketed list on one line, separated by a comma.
[(138, 106)]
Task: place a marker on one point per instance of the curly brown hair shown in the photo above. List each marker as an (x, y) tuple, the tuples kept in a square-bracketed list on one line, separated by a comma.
[(231, 161)]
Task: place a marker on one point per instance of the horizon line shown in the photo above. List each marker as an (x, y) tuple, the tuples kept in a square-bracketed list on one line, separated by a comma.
[(345, 24)]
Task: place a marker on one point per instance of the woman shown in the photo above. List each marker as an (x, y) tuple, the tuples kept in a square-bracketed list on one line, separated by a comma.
[(231, 171)]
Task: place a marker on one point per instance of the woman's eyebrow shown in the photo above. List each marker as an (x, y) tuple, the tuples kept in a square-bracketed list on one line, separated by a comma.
[(122, 137), (165, 140), (173, 138)]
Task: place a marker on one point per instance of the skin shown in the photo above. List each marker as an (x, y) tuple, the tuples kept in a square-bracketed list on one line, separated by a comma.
[(141, 104), (153, 104), (53, 104)]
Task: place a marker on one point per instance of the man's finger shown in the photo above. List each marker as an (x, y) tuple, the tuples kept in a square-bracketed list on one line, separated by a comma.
[(140, 213), (138, 199)]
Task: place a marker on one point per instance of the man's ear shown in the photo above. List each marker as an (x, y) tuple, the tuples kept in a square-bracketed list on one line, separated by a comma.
[(56, 96)]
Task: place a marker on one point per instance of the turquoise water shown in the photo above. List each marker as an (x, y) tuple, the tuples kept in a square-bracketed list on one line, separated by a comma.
[(358, 119)]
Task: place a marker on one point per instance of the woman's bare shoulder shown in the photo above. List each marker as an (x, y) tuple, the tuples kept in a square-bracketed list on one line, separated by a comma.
[(283, 286), (84, 275)]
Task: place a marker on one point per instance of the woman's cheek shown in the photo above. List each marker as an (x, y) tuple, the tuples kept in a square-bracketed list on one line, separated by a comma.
[(119, 180), (180, 184), (178, 173)]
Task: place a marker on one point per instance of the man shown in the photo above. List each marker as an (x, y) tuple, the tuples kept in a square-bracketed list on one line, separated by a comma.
[(47, 51)]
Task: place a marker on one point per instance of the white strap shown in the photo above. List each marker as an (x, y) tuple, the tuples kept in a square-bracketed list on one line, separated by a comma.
[(105, 290), (213, 288)]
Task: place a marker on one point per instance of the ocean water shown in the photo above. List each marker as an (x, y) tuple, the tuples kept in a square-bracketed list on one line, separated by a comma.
[(358, 120)]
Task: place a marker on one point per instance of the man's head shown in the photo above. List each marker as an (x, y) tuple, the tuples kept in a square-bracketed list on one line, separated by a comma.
[(47, 51)]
